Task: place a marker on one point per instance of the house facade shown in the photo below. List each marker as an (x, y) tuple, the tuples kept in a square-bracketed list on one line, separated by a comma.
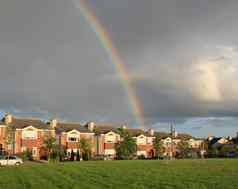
[(68, 136), (106, 138), (19, 135), (144, 142), (31, 134), (170, 146), (195, 144)]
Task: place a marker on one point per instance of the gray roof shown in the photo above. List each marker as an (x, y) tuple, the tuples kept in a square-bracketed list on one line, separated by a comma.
[(102, 129), (22, 123), (65, 127)]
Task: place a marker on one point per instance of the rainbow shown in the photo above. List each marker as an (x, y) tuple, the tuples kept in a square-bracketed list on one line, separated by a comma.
[(116, 59)]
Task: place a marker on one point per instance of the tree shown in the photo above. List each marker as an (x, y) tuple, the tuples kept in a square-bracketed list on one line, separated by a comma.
[(85, 146), (213, 152), (78, 156), (226, 149), (72, 155), (158, 146), (122, 132), (183, 149), (26, 155), (9, 139), (49, 144), (126, 149), (204, 149)]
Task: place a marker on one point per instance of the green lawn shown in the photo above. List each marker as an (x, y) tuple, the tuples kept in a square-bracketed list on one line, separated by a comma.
[(190, 174)]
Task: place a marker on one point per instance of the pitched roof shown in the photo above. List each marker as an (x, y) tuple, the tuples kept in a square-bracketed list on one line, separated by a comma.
[(22, 123), (135, 132), (214, 141), (102, 129), (65, 127)]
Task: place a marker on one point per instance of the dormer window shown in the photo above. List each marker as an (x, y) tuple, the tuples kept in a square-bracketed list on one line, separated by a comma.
[(141, 140), (29, 133), (111, 137), (72, 139), (73, 136)]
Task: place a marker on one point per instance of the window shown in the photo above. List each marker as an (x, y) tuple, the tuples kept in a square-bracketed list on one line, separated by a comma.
[(29, 134), (150, 140), (110, 138), (23, 148), (73, 136), (72, 139), (141, 140), (109, 141), (34, 151)]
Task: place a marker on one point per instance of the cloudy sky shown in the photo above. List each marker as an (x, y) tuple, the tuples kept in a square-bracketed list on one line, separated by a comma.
[(181, 57)]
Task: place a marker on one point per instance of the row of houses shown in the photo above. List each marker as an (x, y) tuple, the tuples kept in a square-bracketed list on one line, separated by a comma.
[(30, 134)]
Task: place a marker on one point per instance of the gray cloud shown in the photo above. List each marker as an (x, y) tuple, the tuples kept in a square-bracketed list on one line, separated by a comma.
[(181, 55)]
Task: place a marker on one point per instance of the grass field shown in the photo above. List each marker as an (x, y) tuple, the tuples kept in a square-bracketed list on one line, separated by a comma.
[(182, 174)]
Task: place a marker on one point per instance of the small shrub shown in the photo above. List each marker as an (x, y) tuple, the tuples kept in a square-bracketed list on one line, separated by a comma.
[(142, 156), (26, 155)]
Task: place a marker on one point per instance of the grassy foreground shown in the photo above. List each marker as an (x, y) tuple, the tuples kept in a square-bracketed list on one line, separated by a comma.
[(182, 174)]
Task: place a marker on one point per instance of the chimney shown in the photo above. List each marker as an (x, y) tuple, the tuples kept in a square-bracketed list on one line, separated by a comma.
[(175, 134), (151, 132), (8, 118), (91, 126), (53, 123), (124, 127)]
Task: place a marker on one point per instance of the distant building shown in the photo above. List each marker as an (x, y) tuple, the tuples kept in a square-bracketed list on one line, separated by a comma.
[(68, 136), (195, 144), (29, 134)]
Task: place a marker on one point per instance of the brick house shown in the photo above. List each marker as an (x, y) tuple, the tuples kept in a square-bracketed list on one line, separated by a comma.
[(106, 137), (2, 137), (144, 141), (68, 136), (29, 134), (195, 143), (169, 145)]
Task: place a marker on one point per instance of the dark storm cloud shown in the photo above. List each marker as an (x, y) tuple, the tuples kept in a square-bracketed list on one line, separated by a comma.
[(181, 55), (166, 24)]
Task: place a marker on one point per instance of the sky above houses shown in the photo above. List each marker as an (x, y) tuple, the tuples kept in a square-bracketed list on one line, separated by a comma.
[(181, 57)]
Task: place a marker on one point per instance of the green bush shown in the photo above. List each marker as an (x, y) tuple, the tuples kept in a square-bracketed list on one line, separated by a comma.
[(26, 155)]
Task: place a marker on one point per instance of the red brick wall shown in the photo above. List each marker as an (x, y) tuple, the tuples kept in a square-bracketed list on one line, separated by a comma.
[(74, 145), (18, 142), (149, 148), (30, 143), (109, 146), (2, 136)]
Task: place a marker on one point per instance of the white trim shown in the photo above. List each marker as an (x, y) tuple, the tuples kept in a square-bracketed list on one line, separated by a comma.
[(87, 133), (35, 128), (73, 134), (74, 130), (29, 127), (32, 132)]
